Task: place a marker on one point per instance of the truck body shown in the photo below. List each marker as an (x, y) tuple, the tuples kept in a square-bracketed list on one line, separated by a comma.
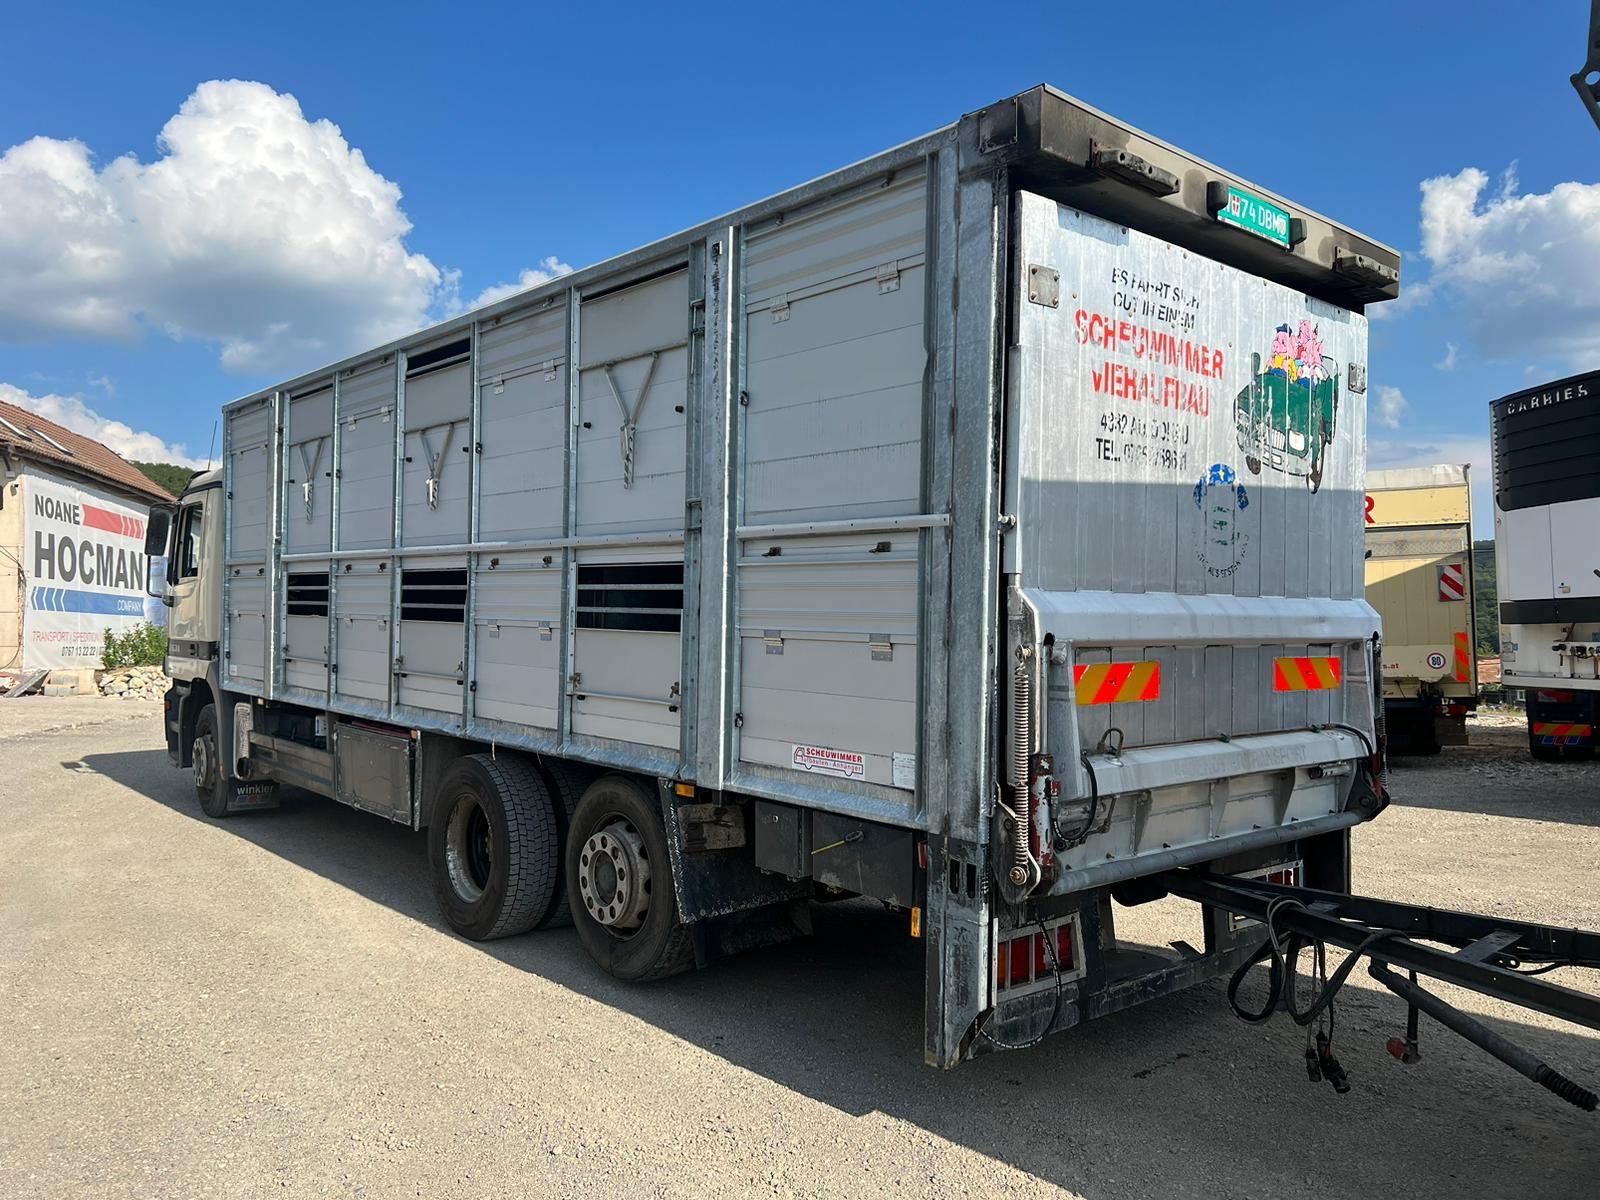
[(893, 537), (1419, 578), (1547, 558)]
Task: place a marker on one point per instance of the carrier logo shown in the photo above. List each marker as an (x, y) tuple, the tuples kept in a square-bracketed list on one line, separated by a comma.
[(1220, 497), (1522, 404)]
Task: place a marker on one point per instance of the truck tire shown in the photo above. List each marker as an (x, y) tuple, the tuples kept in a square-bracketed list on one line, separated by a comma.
[(566, 782), (493, 846), (210, 778), (619, 883)]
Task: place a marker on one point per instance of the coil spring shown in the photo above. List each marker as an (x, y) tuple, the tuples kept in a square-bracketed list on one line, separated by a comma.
[(1021, 749)]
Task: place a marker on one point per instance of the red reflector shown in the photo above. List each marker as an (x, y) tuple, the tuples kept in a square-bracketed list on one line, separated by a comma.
[(1001, 959), (1064, 949), (1021, 959)]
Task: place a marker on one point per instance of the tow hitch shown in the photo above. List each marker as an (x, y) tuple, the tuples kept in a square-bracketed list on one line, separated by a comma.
[(1492, 955)]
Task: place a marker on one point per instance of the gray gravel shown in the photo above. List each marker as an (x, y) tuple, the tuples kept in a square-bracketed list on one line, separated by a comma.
[(269, 1006)]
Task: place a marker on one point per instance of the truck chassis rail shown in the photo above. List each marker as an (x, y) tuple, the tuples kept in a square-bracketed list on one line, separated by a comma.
[(1491, 955)]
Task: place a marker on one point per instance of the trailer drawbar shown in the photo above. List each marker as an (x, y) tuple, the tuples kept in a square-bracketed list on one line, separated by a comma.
[(1491, 955)]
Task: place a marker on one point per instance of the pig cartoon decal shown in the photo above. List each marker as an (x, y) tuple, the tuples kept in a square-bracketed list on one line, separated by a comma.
[(1287, 413)]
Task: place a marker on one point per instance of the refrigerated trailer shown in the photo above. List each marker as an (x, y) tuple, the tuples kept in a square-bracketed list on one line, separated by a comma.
[(1419, 578), (976, 529), (1547, 558)]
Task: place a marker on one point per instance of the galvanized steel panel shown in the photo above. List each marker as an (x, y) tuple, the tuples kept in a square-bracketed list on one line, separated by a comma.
[(835, 359), (250, 449), (438, 450), (634, 347), (308, 471), (362, 616), (518, 629), (1144, 475), (522, 387), (366, 459)]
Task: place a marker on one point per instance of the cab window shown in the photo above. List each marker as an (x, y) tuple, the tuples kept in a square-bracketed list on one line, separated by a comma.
[(189, 535)]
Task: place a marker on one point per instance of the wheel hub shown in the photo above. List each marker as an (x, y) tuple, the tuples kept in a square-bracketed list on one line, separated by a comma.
[(614, 876), (468, 849), (204, 768)]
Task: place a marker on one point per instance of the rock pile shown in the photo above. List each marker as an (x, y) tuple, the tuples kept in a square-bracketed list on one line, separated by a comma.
[(133, 683)]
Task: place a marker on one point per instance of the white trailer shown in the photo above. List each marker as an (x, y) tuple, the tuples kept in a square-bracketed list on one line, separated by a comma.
[(977, 528), (1547, 558)]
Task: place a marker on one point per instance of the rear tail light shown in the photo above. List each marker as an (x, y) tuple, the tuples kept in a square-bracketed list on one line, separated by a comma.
[(1455, 710), (1555, 697), (1023, 960)]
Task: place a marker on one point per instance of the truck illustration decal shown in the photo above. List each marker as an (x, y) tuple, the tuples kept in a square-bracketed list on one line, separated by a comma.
[(1288, 412)]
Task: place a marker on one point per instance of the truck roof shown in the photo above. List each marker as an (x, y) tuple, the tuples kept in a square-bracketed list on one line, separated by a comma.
[(1052, 143)]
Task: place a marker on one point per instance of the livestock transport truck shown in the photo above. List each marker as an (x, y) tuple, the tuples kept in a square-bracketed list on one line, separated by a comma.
[(1419, 578), (891, 537), (1547, 558)]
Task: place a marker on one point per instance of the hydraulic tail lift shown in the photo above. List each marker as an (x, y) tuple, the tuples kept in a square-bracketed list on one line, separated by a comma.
[(1492, 955)]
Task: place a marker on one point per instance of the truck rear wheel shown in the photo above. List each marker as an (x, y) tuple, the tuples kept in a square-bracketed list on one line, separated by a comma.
[(566, 782), (619, 884), (493, 846)]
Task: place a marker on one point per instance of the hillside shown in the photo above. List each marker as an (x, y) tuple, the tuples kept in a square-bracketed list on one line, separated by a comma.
[(168, 475)]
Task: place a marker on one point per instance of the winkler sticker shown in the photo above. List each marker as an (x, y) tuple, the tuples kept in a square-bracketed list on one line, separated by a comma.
[(1287, 413), (1220, 497)]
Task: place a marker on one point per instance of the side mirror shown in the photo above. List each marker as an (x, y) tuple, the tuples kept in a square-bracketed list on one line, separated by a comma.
[(156, 528)]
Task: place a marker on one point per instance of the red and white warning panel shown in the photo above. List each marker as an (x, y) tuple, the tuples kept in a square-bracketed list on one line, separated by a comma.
[(1116, 683), (1302, 674), (1452, 581)]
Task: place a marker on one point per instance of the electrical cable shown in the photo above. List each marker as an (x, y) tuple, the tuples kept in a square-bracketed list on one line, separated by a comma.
[(1055, 1009)]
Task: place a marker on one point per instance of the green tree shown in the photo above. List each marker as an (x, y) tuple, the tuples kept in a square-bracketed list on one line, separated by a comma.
[(1486, 601), (145, 645), (168, 475)]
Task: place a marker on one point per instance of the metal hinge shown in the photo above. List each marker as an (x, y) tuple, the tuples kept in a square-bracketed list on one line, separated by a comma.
[(882, 647), (1044, 286), (780, 309), (888, 278), (774, 640)]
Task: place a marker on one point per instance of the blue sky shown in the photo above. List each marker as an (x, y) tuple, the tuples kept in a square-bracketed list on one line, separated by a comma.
[(143, 282)]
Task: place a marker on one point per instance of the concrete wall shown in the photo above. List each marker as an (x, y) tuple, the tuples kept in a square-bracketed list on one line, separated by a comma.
[(11, 593)]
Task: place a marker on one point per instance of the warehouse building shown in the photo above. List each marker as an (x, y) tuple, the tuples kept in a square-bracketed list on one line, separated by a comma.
[(72, 518)]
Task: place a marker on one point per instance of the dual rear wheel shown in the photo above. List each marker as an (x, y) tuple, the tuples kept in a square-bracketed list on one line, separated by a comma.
[(513, 847)]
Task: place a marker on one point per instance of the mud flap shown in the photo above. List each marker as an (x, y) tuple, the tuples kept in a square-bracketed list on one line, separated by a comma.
[(251, 795)]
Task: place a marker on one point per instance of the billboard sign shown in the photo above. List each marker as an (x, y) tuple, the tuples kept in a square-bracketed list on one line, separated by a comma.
[(83, 551)]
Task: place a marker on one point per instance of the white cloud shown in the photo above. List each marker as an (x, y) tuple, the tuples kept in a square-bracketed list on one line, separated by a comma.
[(255, 228), (1391, 406), (550, 267), (1519, 268), (1448, 362), (77, 416)]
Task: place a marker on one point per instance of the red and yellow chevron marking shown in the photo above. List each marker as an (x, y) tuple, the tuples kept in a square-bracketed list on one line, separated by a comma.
[(1556, 733), (1306, 674), (1117, 683), (1463, 659)]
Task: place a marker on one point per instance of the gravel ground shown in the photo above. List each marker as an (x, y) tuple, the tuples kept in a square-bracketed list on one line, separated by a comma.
[(269, 1006)]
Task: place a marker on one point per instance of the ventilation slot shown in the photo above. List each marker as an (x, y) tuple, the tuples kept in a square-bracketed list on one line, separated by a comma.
[(438, 595), (307, 594), (437, 359), (645, 597)]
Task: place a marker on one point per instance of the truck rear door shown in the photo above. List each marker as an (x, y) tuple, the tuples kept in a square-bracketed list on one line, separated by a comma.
[(1185, 456)]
